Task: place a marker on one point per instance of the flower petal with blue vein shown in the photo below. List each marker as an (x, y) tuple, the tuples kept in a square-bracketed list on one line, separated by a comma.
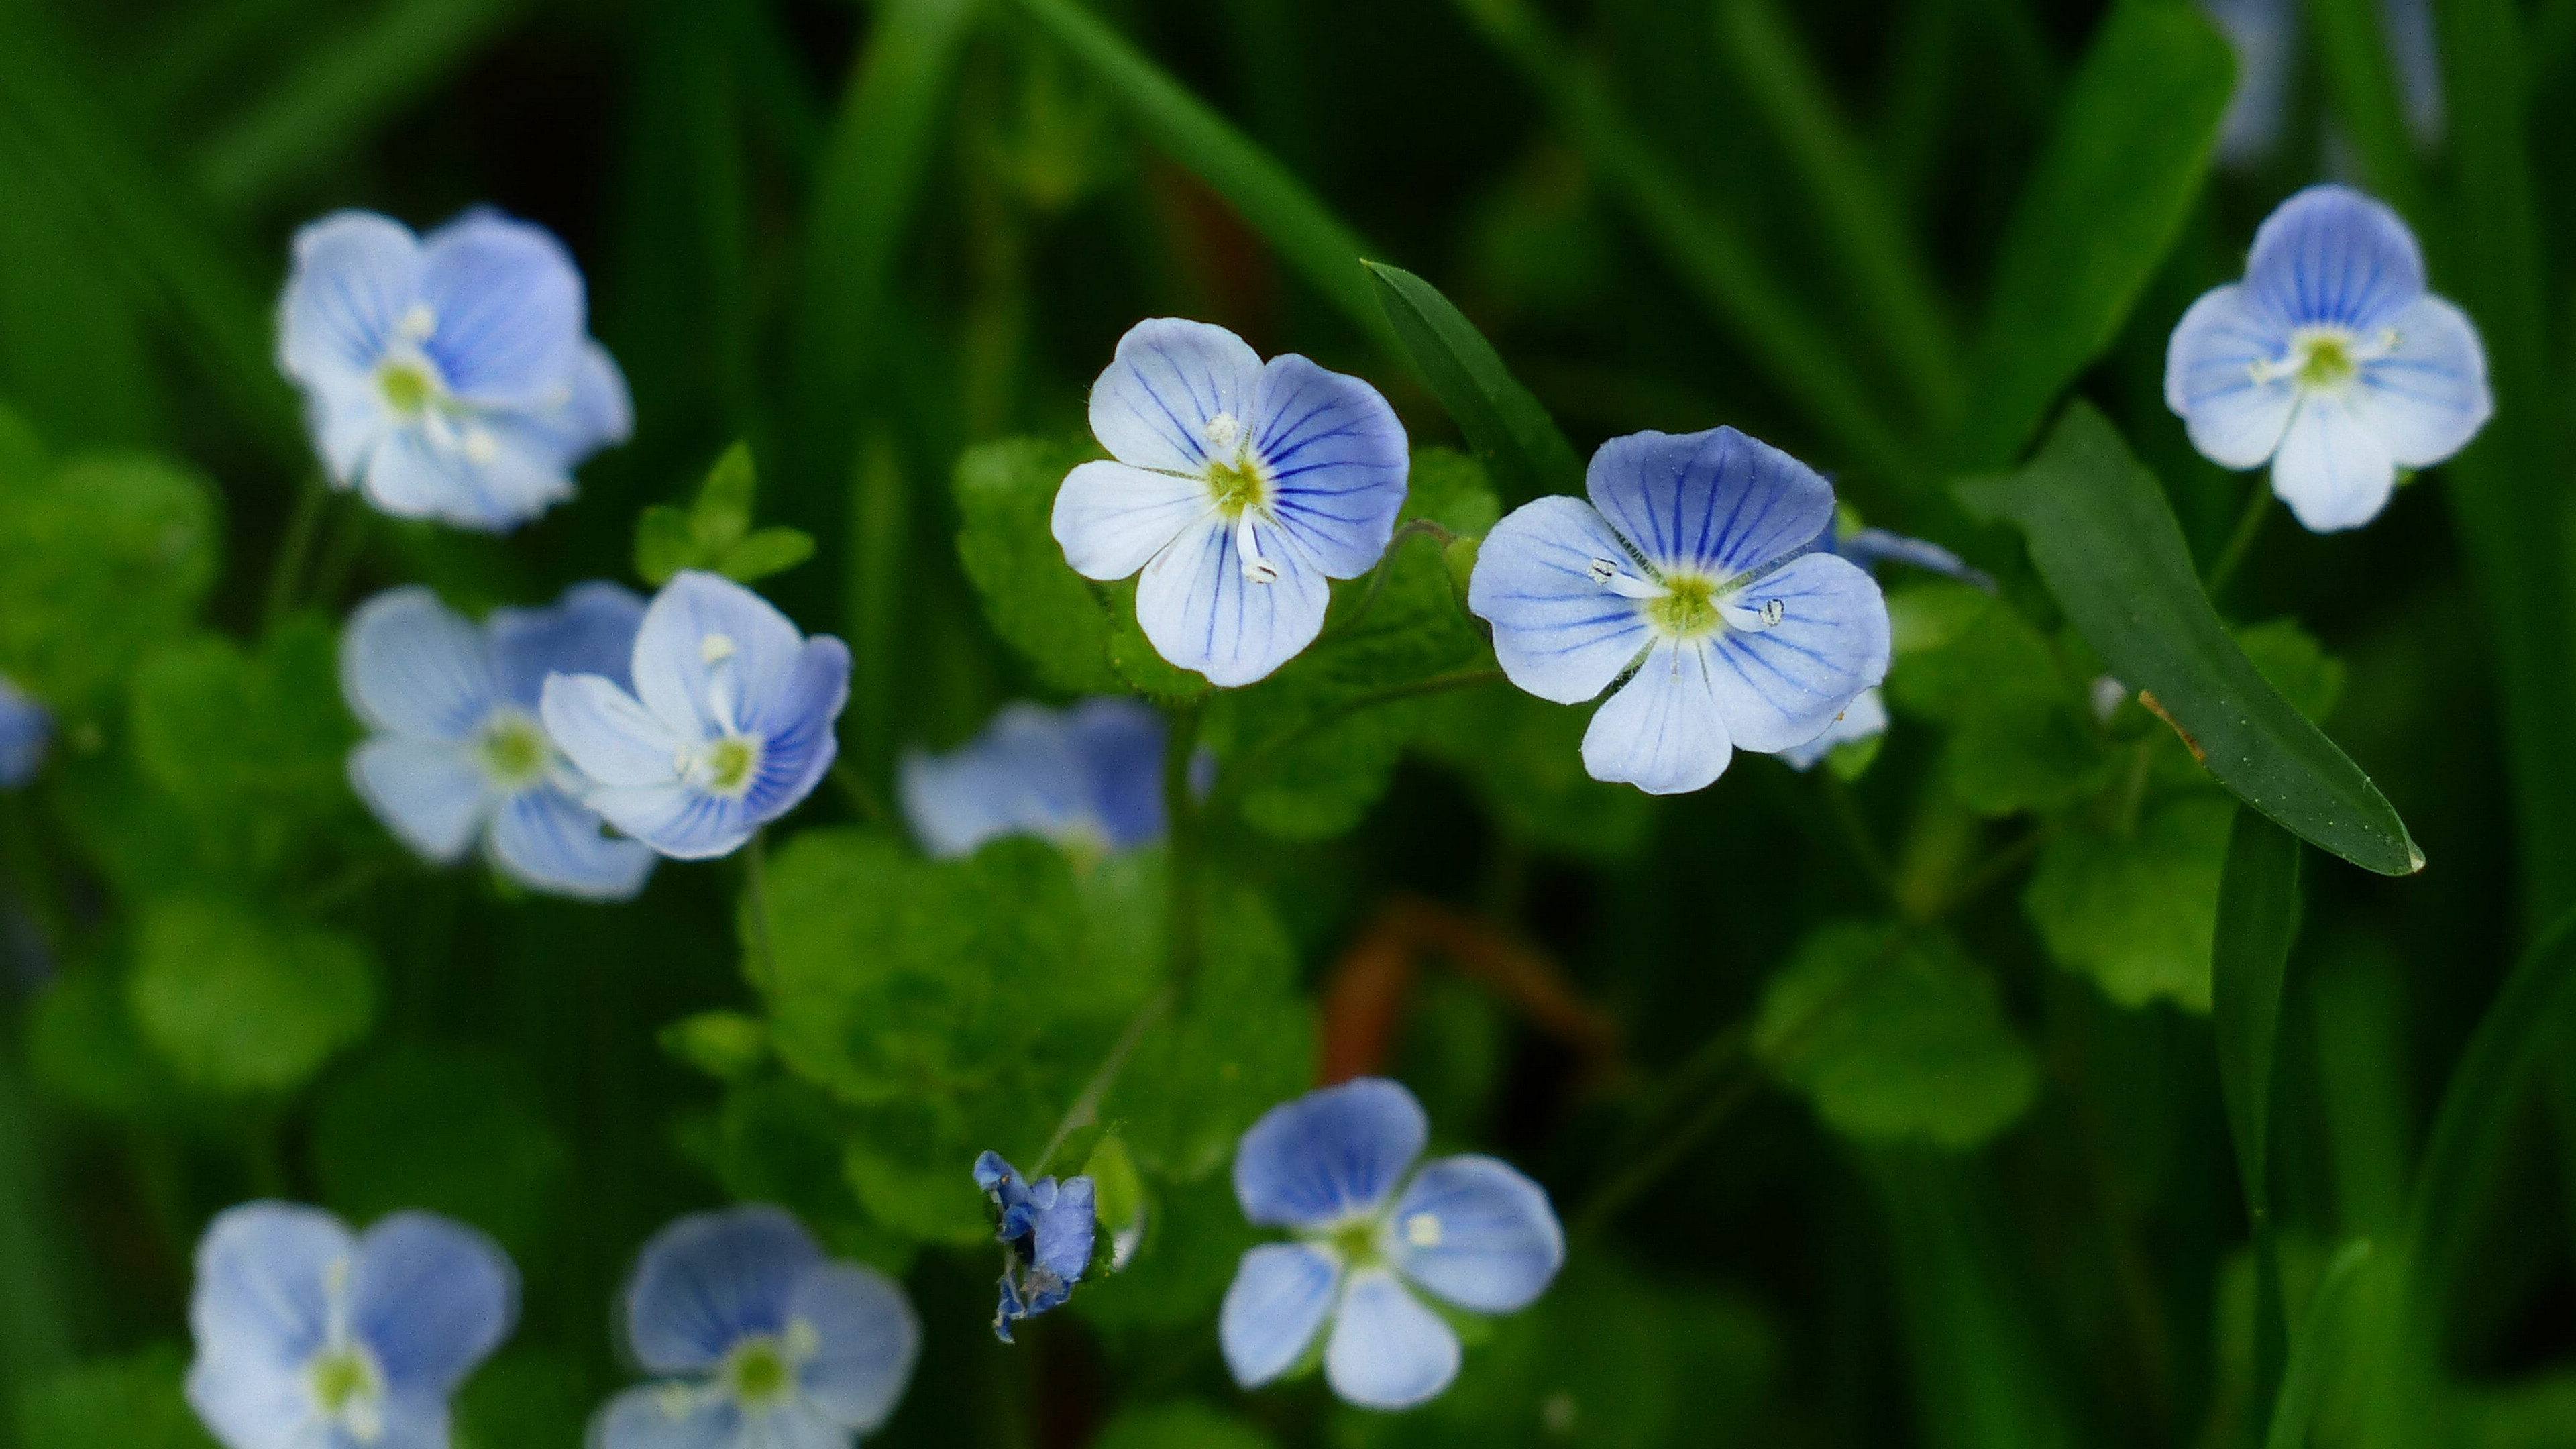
[(867, 1341), (1478, 1233), (1331, 1154), (1716, 503), (1088, 778), (1557, 634), (1281, 1295), (708, 1279), (1388, 1351)]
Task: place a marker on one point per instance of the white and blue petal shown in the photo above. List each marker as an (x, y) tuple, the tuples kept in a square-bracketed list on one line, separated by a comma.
[(410, 665), (25, 729), (263, 1283), (2264, 34), (505, 310), (250, 1402), (1020, 776), (1329, 1155), (1866, 548), (355, 275), (607, 735), (1662, 731), (709, 652), (666, 1416), (1336, 459), (479, 478), (1388, 1351), (1558, 633), (1781, 685), (1478, 1233), (1169, 379), (676, 819), (591, 411), (795, 722), (1112, 519), (430, 793), (1864, 718), (708, 1279), (1280, 1297), (2219, 378), (1200, 612), (544, 839), (2330, 256), (430, 1298), (1716, 503), (2334, 469), (867, 1337), (590, 629), (2427, 396), (1065, 1230)]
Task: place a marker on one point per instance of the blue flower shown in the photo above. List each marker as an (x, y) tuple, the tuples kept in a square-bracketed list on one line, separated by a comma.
[(1864, 718), (2265, 36), (1333, 1165), (25, 728), (1867, 548), (311, 1338), (763, 1342), (2330, 360), (1690, 581), (457, 752), (1239, 487), (451, 376), (1089, 778), (728, 728), (1047, 1230)]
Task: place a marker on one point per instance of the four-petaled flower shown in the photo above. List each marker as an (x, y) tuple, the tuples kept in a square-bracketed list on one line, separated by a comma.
[(1046, 1228), (1239, 487), (458, 751), (1089, 778), (311, 1338), (2330, 360), (1332, 1165), (764, 1342), (452, 376), (728, 728), (25, 727), (1689, 578)]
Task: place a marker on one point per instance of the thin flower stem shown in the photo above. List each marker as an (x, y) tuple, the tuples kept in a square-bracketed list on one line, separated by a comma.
[(1230, 789), (764, 954), (2249, 527), (288, 570), (1086, 1108)]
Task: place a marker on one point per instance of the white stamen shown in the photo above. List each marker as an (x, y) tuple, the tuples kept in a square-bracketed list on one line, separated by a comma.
[(1422, 1230), (1256, 569), (715, 649), (420, 323), (1619, 581), (1223, 432)]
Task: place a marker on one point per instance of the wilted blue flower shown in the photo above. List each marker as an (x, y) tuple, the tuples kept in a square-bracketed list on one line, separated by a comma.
[(25, 728), (1239, 488), (1864, 718), (1688, 580), (458, 752), (728, 728), (1047, 1228), (1089, 778), (2330, 360), (1333, 1165), (451, 376), (764, 1342), (311, 1338)]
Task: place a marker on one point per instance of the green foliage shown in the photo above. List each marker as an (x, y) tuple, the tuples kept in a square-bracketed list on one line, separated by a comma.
[(243, 1004), (523, 1399), (1242, 1041), (2136, 908), (1894, 1035), (2020, 737), (1195, 1236), (715, 532), (2104, 538), (132, 1402), (1524, 759), (451, 1131), (726, 1045), (1513, 437), (1186, 1425), (1006, 539), (84, 1046), (108, 556)]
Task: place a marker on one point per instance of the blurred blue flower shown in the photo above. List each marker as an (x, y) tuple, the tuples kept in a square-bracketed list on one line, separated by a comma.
[(1089, 778), (728, 728), (2265, 35), (2330, 360), (25, 729), (1689, 581), (311, 1338), (457, 751), (451, 376), (1239, 487), (1867, 548), (763, 1342), (1333, 1165), (1864, 718), (1047, 1228)]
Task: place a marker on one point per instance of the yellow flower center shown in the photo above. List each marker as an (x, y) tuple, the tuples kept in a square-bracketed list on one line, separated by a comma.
[(514, 751), (1236, 486), (406, 386), (730, 763), (2326, 361), (340, 1375), (1688, 610), (757, 1371)]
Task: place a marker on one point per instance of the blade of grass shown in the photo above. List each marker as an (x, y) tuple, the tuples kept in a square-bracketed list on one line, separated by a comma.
[(2322, 1338), (1740, 289), (1520, 444), (1307, 235), (1876, 247), (2258, 918)]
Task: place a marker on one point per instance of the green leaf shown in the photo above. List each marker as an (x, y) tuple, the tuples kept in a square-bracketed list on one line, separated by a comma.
[(1195, 1237), (1006, 540), (1184, 1425), (2293, 662), (722, 513), (2136, 910), (726, 1045), (715, 532), (1307, 236), (664, 543), (108, 556), (2258, 918), (446, 1129), (241, 1005), (2106, 542), (765, 552), (2123, 166), (1132, 656), (1520, 445), (2020, 738), (2325, 1331), (1243, 1043), (83, 1044), (133, 1402), (1894, 1036)]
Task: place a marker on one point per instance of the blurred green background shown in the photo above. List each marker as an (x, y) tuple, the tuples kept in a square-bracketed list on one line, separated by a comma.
[(869, 237)]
